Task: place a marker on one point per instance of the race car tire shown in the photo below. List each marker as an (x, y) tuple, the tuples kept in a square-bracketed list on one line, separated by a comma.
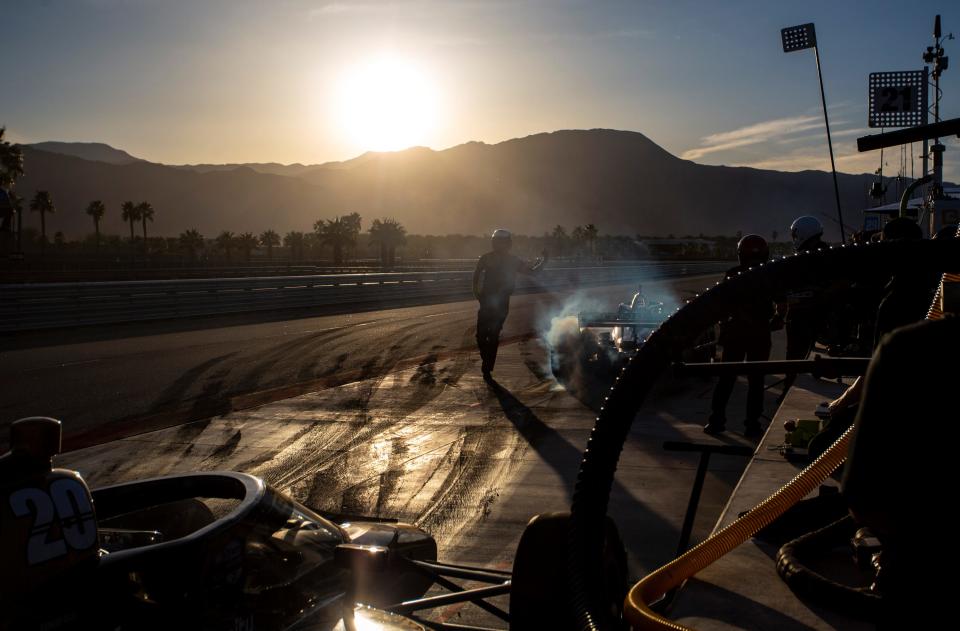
[(539, 574)]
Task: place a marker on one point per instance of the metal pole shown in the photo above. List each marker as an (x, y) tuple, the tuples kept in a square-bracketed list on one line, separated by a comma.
[(937, 147), (926, 119), (692, 504), (833, 167)]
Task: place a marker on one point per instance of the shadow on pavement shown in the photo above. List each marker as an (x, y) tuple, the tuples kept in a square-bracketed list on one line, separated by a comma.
[(557, 452)]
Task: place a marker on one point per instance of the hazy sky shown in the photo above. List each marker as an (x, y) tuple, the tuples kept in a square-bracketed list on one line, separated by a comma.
[(235, 81)]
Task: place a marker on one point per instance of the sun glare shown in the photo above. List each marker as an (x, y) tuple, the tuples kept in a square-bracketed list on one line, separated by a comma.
[(386, 104)]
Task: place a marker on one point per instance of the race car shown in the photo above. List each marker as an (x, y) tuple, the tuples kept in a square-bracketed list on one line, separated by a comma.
[(603, 341), (219, 550), (587, 359)]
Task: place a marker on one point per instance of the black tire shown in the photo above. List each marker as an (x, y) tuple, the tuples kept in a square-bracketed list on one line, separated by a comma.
[(539, 574)]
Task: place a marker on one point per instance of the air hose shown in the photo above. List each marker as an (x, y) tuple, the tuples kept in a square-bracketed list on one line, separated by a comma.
[(680, 569), (861, 602), (599, 464)]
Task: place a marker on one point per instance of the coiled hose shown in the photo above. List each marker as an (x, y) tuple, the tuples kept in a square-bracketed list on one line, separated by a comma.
[(599, 464), (861, 602)]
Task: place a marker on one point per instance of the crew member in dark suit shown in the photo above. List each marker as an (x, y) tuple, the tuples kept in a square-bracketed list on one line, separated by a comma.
[(745, 335), (493, 283), (805, 314), (895, 476)]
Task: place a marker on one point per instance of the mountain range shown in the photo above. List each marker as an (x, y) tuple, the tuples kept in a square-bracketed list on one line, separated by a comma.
[(619, 180)]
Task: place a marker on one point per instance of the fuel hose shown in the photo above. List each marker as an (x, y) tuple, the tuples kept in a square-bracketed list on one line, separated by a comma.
[(598, 466), (671, 575)]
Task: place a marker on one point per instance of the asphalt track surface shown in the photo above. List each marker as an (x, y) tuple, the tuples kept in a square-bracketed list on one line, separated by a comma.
[(112, 381), (380, 413)]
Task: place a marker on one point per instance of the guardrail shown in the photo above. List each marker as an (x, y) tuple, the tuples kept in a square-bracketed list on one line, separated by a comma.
[(56, 305)]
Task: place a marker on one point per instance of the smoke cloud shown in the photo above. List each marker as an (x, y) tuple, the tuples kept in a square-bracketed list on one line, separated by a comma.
[(559, 327)]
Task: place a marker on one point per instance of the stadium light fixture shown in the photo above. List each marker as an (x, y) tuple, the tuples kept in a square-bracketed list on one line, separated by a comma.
[(802, 37)]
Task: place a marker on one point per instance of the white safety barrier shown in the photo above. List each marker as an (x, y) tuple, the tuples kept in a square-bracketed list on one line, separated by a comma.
[(56, 305)]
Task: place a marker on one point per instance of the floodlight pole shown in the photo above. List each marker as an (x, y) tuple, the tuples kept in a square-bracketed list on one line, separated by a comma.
[(833, 166)]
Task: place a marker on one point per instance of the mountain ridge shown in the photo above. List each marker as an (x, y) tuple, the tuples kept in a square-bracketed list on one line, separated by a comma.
[(621, 181), (94, 151)]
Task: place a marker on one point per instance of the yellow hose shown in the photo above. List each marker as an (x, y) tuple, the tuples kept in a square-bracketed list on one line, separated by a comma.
[(636, 607), (671, 575)]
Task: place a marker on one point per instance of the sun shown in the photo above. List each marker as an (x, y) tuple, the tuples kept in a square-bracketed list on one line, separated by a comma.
[(386, 104)]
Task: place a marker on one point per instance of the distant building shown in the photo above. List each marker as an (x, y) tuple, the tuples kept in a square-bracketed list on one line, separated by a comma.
[(875, 218)]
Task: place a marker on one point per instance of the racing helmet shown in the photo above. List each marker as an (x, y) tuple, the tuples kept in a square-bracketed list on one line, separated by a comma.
[(501, 239), (805, 228), (901, 228), (753, 249)]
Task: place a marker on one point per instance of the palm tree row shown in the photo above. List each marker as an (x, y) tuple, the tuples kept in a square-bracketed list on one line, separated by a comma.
[(42, 203), (340, 234), (246, 242), (581, 238)]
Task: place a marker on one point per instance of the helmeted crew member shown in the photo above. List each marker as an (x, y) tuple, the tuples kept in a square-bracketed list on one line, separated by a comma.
[(906, 299), (744, 335), (803, 317), (493, 283)]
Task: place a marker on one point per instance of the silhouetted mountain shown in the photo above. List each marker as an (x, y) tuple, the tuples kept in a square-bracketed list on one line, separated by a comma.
[(97, 151), (273, 168), (620, 181)]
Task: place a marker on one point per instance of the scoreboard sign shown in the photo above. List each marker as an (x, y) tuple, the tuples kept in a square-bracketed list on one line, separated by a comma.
[(898, 99)]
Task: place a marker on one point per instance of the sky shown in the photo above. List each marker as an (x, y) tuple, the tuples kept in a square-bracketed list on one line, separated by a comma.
[(214, 81)]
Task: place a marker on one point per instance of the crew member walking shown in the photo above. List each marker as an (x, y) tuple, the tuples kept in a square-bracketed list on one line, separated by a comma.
[(493, 283), (744, 335)]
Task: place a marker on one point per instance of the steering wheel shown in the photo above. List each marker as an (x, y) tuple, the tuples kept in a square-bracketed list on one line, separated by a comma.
[(597, 469)]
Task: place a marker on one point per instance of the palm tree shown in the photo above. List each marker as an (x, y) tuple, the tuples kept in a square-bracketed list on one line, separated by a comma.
[(11, 167), (338, 233), (11, 162), (590, 233), (16, 203), (353, 226), (145, 210), (269, 238), (579, 237), (294, 241), (192, 242), (43, 204), (559, 238), (389, 235), (96, 209), (225, 241), (353, 222), (247, 242), (130, 212)]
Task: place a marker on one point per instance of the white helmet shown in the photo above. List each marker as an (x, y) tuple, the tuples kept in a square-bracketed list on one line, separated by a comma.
[(501, 240), (805, 228)]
